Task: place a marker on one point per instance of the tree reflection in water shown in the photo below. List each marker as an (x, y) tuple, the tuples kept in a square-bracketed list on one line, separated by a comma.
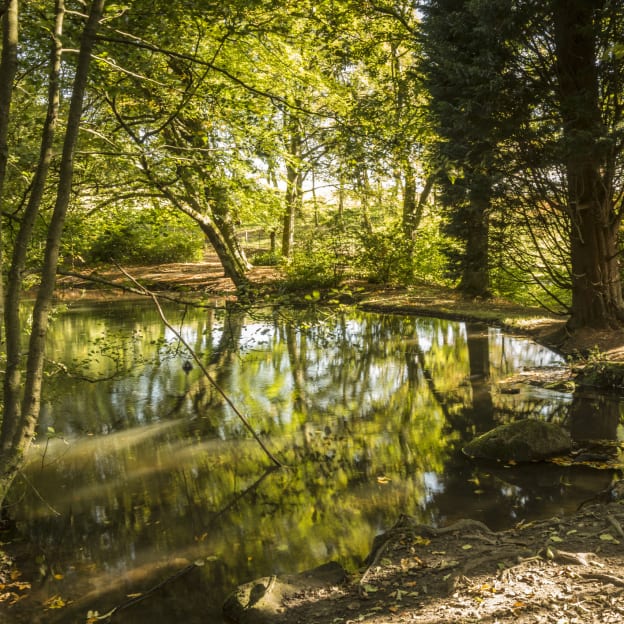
[(150, 471)]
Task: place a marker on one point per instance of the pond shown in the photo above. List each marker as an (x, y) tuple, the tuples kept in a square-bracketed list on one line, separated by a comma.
[(140, 469)]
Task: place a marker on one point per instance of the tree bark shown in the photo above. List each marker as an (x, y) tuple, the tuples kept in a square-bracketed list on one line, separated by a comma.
[(596, 285), (412, 207), (220, 207), (409, 202), (235, 266), (8, 69)]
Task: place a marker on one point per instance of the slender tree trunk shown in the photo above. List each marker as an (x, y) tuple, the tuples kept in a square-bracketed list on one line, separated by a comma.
[(293, 186), (596, 284), (412, 206), (364, 188), (8, 69), (12, 458), (409, 202), (12, 379)]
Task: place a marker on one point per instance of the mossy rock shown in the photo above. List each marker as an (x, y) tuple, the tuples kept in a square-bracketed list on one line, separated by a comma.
[(521, 441)]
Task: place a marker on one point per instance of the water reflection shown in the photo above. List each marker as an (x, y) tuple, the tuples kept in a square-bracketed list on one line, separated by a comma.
[(135, 477)]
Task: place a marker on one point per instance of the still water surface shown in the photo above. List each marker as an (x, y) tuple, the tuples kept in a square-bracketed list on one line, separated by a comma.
[(140, 469)]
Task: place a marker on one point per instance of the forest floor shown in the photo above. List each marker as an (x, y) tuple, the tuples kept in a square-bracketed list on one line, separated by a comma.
[(563, 570), (567, 570)]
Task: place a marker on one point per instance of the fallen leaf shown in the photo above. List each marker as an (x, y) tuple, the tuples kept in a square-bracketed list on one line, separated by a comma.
[(607, 537), (56, 602), (466, 546)]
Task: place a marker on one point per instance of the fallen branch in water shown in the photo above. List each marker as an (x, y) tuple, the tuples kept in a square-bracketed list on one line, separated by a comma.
[(203, 369)]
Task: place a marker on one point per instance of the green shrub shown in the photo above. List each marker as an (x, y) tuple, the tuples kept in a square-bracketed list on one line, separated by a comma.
[(312, 266), (385, 256), (265, 258), (146, 236), (428, 256)]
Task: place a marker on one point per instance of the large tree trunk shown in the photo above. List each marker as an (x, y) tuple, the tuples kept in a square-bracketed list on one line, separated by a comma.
[(8, 69), (13, 451), (475, 277), (596, 286), (219, 201)]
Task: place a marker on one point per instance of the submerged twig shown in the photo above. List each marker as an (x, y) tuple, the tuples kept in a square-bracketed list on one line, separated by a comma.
[(39, 496), (203, 369)]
